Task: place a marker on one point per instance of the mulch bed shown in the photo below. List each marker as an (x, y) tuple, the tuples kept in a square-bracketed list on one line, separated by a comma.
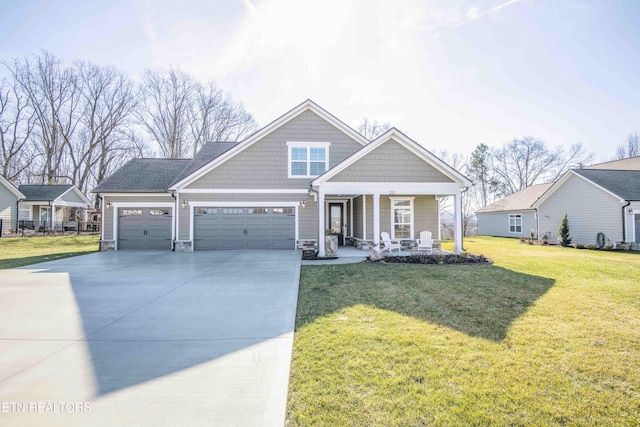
[(438, 259)]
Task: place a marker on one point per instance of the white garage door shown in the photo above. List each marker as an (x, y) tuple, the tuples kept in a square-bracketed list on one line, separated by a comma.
[(244, 228)]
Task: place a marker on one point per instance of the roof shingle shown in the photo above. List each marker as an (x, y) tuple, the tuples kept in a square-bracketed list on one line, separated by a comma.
[(623, 183), (43, 192)]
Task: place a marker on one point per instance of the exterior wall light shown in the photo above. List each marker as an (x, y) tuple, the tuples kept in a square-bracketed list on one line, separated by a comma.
[(303, 204), (184, 204), (109, 205)]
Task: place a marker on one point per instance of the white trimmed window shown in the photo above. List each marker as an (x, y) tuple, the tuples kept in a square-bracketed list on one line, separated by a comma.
[(308, 159), (402, 217), (515, 223)]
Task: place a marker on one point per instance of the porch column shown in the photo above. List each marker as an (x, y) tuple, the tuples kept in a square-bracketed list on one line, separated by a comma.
[(457, 234), (321, 223), (376, 221)]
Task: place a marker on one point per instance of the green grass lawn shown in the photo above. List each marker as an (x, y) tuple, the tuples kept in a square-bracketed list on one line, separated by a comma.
[(19, 251), (545, 336)]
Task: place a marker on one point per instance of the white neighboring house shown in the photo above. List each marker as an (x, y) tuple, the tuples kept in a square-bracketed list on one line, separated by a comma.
[(513, 216)]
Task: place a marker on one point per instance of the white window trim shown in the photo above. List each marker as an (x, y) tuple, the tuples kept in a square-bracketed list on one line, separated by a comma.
[(509, 222), (45, 208), (393, 229), (306, 144)]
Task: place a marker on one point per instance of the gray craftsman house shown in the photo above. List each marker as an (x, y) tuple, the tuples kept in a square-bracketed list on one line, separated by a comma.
[(303, 175)]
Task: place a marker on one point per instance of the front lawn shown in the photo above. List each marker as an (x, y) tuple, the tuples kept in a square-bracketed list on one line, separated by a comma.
[(19, 251), (545, 336)]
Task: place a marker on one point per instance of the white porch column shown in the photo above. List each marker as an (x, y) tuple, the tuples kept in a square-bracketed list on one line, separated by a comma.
[(457, 235), (376, 221), (321, 223)]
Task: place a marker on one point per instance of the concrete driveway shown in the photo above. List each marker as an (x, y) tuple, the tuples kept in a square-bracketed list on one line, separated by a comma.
[(148, 338)]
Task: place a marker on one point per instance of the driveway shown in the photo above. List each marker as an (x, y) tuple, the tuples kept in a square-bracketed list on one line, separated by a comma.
[(148, 338)]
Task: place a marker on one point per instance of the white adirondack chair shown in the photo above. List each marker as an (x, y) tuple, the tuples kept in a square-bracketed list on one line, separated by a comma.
[(425, 242), (390, 245)]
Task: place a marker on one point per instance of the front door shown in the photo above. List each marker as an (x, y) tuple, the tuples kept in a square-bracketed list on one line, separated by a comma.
[(336, 221), (45, 216)]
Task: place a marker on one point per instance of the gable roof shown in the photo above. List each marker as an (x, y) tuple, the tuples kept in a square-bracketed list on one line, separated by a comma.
[(521, 200), (143, 176), (399, 137), (307, 105), (622, 184), (4, 181), (43, 192), (631, 163), (50, 193), (207, 153)]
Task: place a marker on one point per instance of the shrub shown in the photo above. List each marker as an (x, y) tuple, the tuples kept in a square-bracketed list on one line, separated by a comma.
[(563, 231)]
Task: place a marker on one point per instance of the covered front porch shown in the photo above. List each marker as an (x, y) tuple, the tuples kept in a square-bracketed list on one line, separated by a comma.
[(358, 219)]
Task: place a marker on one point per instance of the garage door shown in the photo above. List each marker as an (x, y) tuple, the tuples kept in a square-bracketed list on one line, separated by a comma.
[(244, 228), (144, 228)]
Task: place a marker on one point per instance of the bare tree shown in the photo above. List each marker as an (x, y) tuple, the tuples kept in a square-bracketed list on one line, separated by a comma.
[(526, 161), (181, 114), (216, 117), (372, 129), (631, 148), (107, 100), (51, 92), (16, 125), (166, 100)]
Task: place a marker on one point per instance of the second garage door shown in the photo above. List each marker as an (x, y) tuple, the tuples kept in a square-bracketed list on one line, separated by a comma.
[(144, 228), (244, 228)]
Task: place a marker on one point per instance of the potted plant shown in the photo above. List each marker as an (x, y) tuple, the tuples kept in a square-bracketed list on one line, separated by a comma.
[(330, 243)]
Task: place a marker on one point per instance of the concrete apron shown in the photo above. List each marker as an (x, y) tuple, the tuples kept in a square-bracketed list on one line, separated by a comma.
[(148, 338)]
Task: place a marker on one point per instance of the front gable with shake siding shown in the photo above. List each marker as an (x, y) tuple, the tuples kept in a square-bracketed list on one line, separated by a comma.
[(274, 190)]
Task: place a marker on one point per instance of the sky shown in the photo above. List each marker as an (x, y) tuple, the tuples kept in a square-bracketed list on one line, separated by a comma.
[(450, 74)]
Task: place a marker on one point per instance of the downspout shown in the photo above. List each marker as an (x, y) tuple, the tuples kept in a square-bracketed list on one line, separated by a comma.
[(18, 213), (175, 215), (624, 222), (101, 205)]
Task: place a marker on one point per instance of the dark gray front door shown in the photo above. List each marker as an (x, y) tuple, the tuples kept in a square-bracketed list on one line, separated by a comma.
[(244, 228), (144, 228)]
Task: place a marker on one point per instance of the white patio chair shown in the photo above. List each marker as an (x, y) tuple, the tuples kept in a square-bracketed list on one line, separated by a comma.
[(425, 242), (390, 245)]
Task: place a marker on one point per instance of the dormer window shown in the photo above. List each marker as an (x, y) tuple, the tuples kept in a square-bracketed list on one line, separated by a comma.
[(308, 159)]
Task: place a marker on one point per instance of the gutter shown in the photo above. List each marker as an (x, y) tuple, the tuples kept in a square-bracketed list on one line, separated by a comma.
[(624, 222)]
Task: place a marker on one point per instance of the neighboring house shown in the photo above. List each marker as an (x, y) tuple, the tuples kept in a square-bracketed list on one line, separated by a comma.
[(595, 201), (281, 188), (513, 216), (631, 163), (46, 207), (9, 197)]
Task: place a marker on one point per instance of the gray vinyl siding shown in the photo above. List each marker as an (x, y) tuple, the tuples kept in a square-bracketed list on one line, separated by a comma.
[(307, 217), (589, 209), (265, 165), (357, 217), (391, 162), (109, 213), (497, 223), (72, 197), (426, 215), (7, 208)]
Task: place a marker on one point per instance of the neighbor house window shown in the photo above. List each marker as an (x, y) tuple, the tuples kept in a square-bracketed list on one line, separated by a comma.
[(308, 159), (401, 218), (24, 213), (515, 223)]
